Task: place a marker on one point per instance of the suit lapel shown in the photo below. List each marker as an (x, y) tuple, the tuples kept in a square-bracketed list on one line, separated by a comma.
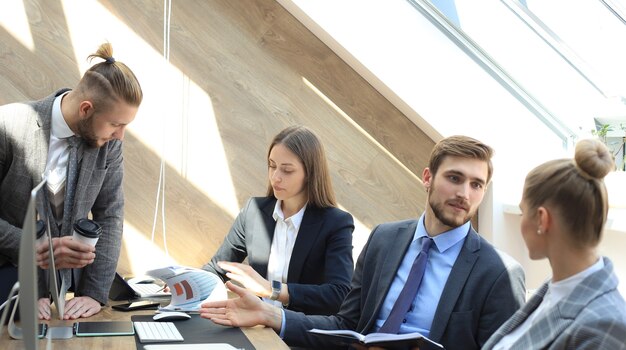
[(399, 243), (263, 242), (41, 139), (521, 316), (458, 276), (518, 317), (86, 164), (39, 152), (307, 235), (556, 320)]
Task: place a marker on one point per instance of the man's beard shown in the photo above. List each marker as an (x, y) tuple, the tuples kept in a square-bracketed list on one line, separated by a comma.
[(453, 221), (85, 129)]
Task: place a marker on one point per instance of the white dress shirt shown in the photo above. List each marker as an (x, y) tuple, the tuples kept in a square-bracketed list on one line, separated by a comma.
[(285, 234), (441, 257), (58, 151)]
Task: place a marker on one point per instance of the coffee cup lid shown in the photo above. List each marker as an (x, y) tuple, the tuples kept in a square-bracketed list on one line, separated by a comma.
[(88, 228)]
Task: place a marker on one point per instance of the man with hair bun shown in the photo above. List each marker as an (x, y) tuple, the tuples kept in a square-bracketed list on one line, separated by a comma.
[(564, 207), (36, 139)]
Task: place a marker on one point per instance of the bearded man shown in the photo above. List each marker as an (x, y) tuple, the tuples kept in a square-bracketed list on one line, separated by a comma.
[(434, 275)]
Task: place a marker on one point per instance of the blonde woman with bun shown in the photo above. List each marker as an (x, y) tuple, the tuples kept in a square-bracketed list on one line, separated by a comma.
[(564, 208)]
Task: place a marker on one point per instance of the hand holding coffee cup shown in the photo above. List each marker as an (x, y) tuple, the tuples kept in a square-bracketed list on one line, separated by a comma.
[(87, 231), (41, 244)]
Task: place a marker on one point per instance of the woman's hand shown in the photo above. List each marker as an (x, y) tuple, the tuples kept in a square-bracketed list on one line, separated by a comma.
[(247, 277)]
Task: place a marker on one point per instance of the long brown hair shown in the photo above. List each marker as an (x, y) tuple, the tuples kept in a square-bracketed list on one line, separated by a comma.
[(307, 147), (108, 82), (575, 188)]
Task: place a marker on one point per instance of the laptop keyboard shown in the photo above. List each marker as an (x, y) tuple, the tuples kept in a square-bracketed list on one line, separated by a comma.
[(157, 332)]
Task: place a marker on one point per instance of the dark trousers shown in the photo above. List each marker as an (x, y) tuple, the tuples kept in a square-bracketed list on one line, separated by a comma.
[(8, 277)]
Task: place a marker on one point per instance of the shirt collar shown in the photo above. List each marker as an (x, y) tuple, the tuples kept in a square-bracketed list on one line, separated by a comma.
[(577, 278), (59, 128), (444, 240), (295, 219)]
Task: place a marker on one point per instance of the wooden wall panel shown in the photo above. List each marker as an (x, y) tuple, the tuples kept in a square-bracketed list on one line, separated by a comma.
[(262, 70)]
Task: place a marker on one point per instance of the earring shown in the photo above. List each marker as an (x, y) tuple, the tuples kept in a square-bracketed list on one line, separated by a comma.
[(539, 231)]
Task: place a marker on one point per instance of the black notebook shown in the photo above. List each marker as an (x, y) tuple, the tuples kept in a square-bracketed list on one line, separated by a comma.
[(198, 330)]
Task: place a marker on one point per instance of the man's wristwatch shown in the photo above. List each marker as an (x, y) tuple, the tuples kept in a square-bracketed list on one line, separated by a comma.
[(276, 287)]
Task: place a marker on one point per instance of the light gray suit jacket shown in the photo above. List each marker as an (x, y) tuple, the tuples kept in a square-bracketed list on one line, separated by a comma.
[(484, 289), (24, 143), (592, 317)]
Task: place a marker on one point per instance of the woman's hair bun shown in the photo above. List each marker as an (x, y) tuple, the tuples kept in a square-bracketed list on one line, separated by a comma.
[(593, 159)]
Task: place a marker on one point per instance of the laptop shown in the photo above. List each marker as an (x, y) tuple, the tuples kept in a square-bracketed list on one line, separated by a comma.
[(123, 290)]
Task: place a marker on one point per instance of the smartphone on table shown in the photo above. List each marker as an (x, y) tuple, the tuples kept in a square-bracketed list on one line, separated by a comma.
[(41, 330), (137, 305)]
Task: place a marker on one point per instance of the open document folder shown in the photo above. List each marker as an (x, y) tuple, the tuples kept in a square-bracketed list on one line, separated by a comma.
[(189, 286)]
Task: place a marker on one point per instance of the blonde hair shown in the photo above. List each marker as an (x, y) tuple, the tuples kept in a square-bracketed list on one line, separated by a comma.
[(108, 82), (575, 189), (302, 142)]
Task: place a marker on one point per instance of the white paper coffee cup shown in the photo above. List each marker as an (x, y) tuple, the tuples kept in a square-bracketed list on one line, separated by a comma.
[(87, 231)]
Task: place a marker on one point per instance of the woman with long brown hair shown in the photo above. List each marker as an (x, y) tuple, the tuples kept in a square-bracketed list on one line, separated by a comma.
[(297, 242)]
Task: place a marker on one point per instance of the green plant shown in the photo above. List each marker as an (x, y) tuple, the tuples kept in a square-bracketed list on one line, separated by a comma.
[(603, 131)]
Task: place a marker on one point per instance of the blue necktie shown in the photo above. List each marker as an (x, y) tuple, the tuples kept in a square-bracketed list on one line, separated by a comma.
[(408, 293)]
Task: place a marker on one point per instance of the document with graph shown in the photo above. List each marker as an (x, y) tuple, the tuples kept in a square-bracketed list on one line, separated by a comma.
[(189, 286)]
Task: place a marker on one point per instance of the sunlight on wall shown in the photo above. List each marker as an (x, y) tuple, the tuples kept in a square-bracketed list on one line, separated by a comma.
[(614, 235), (372, 140), (13, 19), (150, 256), (616, 186), (176, 117), (359, 236), (176, 120), (204, 143)]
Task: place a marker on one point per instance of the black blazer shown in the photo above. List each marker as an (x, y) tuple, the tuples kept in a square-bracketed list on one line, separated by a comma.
[(321, 262), (484, 289)]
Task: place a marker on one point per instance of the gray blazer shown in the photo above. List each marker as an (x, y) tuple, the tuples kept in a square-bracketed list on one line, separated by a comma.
[(592, 317), (24, 143), (484, 289)]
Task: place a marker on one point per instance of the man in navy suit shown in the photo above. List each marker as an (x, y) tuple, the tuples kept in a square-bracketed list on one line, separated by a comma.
[(468, 288)]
